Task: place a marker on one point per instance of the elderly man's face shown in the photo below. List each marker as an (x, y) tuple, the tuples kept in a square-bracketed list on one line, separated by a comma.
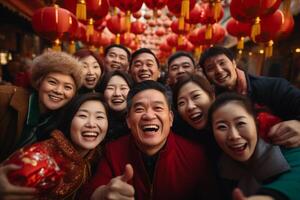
[(149, 120), (116, 59), (144, 67), (179, 67)]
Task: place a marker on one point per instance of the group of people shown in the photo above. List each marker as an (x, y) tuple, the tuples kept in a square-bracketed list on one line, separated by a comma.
[(117, 132)]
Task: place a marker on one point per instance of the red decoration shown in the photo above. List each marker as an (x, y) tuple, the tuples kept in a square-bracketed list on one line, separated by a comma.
[(238, 29), (38, 169), (196, 15), (138, 27), (54, 23), (155, 4), (174, 6), (137, 14), (209, 15), (175, 27), (286, 28), (160, 31), (247, 10), (116, 24)]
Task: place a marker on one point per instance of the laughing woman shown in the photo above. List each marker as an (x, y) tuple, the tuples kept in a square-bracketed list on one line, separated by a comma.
[(74, 147), (26, 116), (248, 161), (93, 69), (115, 87)]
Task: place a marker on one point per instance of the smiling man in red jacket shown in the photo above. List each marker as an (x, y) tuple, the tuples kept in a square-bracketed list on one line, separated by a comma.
[(152, 162)]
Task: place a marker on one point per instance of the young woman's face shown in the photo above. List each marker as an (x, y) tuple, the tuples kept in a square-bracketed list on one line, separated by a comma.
[(92, 72), (89, 126), (193, 103), (116, 93), (55, 90), (235, 131)]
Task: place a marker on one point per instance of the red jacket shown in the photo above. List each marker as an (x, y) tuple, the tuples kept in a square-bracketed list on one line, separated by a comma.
[(181, 170)]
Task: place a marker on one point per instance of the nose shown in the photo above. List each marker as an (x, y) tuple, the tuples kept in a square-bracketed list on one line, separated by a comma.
[(180, 70), (59, 89), (190, 105), (218, 69), (91, 122), (233, 134), (117, 92), (149, 115)]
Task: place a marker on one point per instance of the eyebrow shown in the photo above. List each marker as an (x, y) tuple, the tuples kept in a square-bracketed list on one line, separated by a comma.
[(236, 118), (84, 110)]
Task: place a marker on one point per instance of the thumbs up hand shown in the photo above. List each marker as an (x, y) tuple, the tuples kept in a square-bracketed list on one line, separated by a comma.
[(117, 188)]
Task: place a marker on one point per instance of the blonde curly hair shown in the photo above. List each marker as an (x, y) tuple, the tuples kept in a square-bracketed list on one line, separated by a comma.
[(53, 61)]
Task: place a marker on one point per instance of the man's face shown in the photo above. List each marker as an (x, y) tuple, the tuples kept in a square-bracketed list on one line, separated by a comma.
[(221, 71), (149, 120), (116, 59), (178, 68), (144, 67)]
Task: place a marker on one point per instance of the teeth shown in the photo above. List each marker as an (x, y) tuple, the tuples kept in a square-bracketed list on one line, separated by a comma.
[(117, 100), (90, 78), (114, 66), (150, 128), (196, 116), (90, 134), (54, 98), (143, 76)]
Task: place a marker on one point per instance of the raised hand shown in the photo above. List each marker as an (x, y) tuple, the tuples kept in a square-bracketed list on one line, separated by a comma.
[(286, 133), (117, 188), (12, 192)]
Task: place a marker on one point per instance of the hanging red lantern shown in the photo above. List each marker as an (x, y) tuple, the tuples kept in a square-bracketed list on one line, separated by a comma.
[(270, 25), (116, 25), (138, 27), (165, 47), (196, 15), (160, 31), (239, 30), (80, 33), (155, 5), (129, 6), (175, 27), (54, 23), (181, 8), (126, 38), (147, 16), (218, 34), (286, 28), (137, 14)]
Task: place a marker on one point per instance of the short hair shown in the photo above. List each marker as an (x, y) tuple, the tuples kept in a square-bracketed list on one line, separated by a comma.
[(227, 97), (71, 109), (109, 75), (140, 51), (201, 81), (180, 54), (106, 50), (53, 61), (214, 51), (82, 53), (145, 85)]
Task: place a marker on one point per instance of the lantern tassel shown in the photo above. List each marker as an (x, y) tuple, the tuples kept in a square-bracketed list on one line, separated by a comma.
[(217, 6), (208, 32), (240, 44), (155, 14), (127, 20), (255, 29), (72, 47), (90, 28), (101, 51), (81, 10), (269, 49), (181, 23), (173, 49), (198, 52), (185, 9), (118, 38), (56, 45), (286, 8), (180, 40)]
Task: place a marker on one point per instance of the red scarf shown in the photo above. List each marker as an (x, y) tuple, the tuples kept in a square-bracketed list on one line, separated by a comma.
[(241, 82)]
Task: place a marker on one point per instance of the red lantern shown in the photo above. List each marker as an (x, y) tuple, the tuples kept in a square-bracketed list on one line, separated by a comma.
[(160, 31), (155, 5), (172, 40), (137, 14), (196, 15), (247, 10), (165, 47), (218, 34), (175, 27), (138, 27), (126, 38), (147, 16), (54, 23), (239, 30), (209, 15), (80, 33), (286, 28), (116, 25), (174, 6)]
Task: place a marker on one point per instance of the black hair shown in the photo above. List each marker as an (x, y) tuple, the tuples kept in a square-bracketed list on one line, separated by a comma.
[(140, 51), (106, 50), (180, 54), (214, 51), (201, 81), (72, 108), (145, 85), (227, 97), (109, 75)]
